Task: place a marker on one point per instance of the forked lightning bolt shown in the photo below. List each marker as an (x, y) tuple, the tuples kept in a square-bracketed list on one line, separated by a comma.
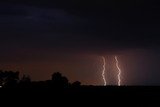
[(103, 71), (119, 71)]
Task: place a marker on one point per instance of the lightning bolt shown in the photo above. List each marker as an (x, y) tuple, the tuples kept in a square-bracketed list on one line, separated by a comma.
[(103, 71), (119, 71)]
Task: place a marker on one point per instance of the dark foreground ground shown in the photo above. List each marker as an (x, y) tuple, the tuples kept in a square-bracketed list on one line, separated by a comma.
[(123, 96)]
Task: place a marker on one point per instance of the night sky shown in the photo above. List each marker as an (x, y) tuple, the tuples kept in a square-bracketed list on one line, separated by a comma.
[(41, 37)]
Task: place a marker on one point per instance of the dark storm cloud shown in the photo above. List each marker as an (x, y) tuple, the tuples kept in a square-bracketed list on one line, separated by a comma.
[(33, 19), (74, 24)]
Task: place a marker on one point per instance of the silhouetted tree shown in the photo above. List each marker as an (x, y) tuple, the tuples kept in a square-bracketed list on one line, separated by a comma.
[(1, 78), (59, 81), (25, 78), (9, 78), (76, 84), (25, 81)]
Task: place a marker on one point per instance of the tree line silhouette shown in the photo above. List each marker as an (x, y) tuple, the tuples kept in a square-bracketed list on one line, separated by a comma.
[(11, 79)]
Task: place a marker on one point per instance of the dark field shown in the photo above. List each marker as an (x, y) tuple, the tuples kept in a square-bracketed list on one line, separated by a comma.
[(109, 95)]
